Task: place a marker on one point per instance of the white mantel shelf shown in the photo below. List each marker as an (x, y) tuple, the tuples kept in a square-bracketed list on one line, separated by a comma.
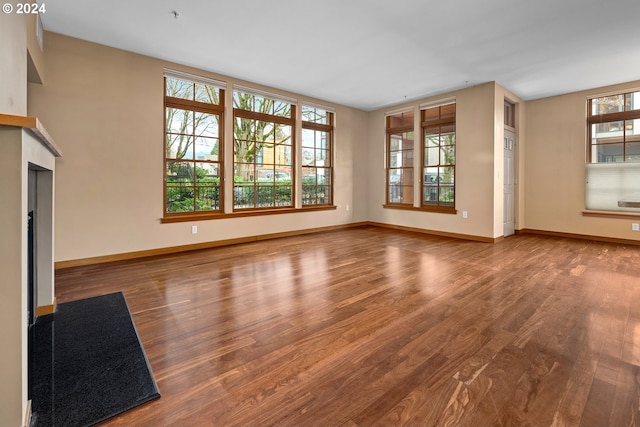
[(32, 124)]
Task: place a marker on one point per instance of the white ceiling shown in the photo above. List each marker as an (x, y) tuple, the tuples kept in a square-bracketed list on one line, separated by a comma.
[(374, 53)]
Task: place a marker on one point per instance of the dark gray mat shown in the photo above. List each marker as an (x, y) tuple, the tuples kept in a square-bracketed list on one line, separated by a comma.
[(100, 368)]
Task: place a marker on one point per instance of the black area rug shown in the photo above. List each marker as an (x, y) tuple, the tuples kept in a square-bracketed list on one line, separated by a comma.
[(41, 372), (100, 368)]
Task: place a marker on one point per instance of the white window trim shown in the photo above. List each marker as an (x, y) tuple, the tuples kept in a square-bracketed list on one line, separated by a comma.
[(194, 78), (317, 106), (612, 93), (438, 103), (265, 94), (401, 110)]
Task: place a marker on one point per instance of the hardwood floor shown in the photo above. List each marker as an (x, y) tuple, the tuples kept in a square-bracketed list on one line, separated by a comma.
[(376, 327)]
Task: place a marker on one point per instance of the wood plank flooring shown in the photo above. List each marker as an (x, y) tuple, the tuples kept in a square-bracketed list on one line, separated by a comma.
[(378, 327)]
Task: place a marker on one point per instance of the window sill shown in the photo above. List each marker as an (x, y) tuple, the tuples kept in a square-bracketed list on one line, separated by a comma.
[(433, 209), (242, 214), (611, 214)]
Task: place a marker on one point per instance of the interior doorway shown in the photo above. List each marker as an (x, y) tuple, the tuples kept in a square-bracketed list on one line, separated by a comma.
[(509, 183), (509, 206)]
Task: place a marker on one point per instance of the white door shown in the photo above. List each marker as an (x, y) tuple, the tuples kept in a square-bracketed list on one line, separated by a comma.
[(509, 182)]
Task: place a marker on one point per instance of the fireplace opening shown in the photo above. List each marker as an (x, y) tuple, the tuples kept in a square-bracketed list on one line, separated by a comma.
[(39, 283)]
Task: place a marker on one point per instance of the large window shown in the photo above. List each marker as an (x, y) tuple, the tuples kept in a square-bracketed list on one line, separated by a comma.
[(400, 150), (263, 141), (317, 144), (614, 128), (439, 157), (264, 151), (613, 159), (193, 146)]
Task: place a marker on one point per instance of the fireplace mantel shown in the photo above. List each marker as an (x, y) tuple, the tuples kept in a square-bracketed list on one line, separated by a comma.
[(35, 126), (27, 174)]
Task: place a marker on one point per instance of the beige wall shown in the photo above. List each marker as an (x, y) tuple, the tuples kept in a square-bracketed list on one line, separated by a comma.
[(13, 288), (35, 55), (13, 100), (105, 108), (13, 63), (555, 156), (479, 130)]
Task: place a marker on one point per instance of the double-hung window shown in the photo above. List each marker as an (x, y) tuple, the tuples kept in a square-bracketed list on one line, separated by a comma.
[(193, 157), (614, 129), (317, 146), (439, 157), (613, 155), (263, 142), (399, 161)]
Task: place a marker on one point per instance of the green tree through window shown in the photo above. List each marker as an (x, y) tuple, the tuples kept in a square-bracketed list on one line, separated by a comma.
[(262, 141), (193, 164), (439, 157), (263, 151), (317, 156)]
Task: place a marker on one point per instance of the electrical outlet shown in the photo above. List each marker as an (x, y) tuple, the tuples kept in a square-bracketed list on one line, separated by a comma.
[(635, 227), (347, 208), (194, 229), (465, 214)]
